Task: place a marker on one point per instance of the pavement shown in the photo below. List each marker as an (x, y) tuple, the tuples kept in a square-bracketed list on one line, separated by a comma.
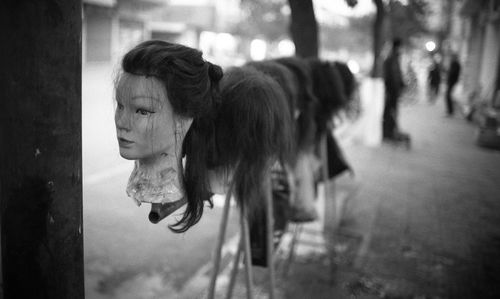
[(419, 223)]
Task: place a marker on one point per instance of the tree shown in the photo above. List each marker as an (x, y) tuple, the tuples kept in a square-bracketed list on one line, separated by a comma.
[(378, 38), (304, 28), (269, 18), (352, 37), (264, 18), (407, 20)]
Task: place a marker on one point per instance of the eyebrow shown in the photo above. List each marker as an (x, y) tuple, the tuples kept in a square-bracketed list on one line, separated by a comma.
[(145, 97)]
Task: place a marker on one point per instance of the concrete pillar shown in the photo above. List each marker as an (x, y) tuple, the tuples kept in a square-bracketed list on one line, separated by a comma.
[(40, 149)]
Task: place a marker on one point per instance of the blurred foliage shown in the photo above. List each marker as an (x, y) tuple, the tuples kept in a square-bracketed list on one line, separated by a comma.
[(408, 20), (264, 18), (352, 37), (270, 19)]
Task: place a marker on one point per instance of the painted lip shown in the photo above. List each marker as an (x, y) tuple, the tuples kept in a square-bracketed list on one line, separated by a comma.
[(124, 142)]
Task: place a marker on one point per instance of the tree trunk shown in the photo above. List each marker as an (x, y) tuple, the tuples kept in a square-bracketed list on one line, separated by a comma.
[(378, 39), (303, 27), (40, 149)]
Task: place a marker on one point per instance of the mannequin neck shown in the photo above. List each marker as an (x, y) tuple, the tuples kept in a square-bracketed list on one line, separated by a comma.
[(157, 163), (156, 180)]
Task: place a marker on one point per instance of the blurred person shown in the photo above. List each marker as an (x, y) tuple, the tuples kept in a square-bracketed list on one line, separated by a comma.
[(452, 79), (434, 80), (394, 85)]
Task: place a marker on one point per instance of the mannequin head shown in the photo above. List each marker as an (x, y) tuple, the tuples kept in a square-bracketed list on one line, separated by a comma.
[(166, 100), (145, 120)]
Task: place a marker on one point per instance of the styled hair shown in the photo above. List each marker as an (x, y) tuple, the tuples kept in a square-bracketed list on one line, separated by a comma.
[(347, 77), (191, 85), (289, 84), (306, 101), (329, 89), (397, 42), (283, 76), (253, 130)]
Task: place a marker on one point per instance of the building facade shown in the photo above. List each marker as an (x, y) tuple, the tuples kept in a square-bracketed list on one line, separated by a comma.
[(480, 49)]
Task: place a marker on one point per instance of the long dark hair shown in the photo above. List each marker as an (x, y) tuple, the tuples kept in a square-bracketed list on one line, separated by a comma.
[(329, 89), (348, 78), (253, 130), (192, 88), (307, 102), (290, 86)]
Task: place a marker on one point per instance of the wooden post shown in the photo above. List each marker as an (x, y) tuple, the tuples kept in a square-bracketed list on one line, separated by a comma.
[(40, 149)]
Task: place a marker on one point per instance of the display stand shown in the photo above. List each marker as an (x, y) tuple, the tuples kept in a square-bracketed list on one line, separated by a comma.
[(244, 246), (220, 242), (329, 221)]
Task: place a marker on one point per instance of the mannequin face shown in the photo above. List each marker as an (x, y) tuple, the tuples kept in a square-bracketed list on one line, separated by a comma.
[(146, 125)]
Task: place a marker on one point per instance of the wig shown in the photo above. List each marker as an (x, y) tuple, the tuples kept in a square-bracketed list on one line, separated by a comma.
[(284, 77), (289, 84), (347, 77), (306, 102), (253, 131), (329, 89), (191, 85)]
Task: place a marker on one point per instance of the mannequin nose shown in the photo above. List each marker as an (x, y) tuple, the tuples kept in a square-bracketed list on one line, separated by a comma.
[(122, 121)]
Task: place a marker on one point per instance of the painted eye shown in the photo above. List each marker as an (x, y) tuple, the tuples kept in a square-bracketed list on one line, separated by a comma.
[(143, 112)]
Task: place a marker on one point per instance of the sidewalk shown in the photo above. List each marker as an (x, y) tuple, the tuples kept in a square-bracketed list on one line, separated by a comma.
[(423, 223)]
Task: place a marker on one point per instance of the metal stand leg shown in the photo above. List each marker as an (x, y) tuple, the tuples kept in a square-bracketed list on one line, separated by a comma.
[(245, 234), (329, 211), (234, 271), (330, 221), (270, 235), (291, 255), (244, 246), (218, 248)]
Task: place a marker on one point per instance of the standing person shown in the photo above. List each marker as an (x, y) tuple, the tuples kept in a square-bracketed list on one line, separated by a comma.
[(453, 76), (434, 80), (394, 85)]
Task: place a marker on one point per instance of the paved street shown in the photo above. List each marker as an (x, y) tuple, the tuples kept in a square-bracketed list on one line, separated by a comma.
[(418, 223), (424, 223)]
